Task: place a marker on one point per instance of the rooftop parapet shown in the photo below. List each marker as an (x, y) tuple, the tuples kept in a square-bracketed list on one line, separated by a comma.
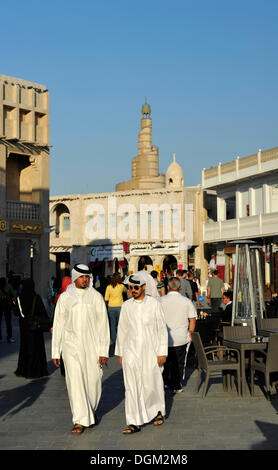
[(241, 168)]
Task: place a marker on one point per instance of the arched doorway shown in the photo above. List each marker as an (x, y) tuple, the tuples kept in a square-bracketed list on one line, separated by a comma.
[(170, 263), (144, 261)]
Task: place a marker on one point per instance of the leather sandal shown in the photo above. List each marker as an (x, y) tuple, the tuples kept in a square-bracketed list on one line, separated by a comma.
[(131, 429), (158, 420), (78, 429)]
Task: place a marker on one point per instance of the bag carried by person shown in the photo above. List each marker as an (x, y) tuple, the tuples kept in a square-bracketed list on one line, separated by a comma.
[(35, 322)]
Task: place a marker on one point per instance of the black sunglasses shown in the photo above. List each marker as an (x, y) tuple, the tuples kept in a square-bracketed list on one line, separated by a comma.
[(134, 287)]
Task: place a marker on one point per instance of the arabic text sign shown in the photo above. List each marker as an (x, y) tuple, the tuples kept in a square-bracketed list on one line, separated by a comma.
[(150, 250), (29, 227)]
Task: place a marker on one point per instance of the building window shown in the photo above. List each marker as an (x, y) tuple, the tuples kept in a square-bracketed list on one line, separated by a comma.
[(125, 219), (174, 216), (66, 222), (137, 219), (113, 220), (97, 219)]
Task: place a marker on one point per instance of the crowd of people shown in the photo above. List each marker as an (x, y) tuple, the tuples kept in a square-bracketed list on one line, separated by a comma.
[(146, 320)]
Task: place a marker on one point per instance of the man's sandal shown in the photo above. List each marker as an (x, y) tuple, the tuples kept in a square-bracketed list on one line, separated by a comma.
[(131, 429), (158, 420), (78, 429)]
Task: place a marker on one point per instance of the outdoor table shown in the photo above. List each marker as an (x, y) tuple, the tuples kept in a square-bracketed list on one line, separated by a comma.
[(245, 344), (268, 331), (207, 328)]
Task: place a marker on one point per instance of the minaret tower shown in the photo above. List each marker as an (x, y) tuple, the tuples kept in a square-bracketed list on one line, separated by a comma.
[(145, 171)]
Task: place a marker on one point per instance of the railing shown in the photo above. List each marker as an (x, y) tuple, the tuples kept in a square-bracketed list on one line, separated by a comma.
[(246, 227), (241, 168), (17, 210)]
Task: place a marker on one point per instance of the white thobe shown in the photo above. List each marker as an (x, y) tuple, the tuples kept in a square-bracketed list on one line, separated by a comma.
[(142, 337), (81, 335), (151, 285)]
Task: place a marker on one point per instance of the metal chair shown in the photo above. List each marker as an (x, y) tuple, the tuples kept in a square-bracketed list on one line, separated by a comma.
[(235, 332), (268, 323), (268, 365), (209, 366)]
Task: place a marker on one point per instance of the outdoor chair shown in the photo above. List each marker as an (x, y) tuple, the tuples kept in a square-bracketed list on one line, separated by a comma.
[(268, 365), (209, 366), (234, 332), (268, 323)]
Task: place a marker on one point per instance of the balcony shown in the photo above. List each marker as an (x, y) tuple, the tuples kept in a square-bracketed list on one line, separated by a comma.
[(17, 210), (254, 165), (260, 225)]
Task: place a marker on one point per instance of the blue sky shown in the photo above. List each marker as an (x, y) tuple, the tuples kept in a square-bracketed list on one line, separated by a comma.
[(207, 67)]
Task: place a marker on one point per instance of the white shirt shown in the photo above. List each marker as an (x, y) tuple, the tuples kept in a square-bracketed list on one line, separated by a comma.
[(177, 311)]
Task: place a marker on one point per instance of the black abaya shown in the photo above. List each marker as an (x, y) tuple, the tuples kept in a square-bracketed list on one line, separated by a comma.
[(32, 357)]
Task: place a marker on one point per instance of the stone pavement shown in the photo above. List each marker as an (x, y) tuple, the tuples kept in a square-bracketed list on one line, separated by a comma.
[(35, 415)]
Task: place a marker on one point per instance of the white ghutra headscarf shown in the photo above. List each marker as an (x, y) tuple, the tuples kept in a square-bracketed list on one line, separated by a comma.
[(77, 271), (81, 270)]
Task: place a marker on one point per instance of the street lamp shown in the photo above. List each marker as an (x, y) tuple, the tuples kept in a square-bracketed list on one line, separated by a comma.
[(31, 259)]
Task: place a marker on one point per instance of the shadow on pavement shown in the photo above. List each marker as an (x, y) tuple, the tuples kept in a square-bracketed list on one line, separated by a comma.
[(14, 400), (113, 393), (270, 432)]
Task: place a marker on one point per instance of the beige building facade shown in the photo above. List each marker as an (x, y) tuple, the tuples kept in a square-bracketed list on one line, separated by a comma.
[(24, 188), (152, 220), (241, 198), (156, 228)]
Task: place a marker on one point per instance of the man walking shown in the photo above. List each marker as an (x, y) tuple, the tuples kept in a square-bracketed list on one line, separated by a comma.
[(180, 316), (185, 288), (142, 344), (215, 289), (81, 335), (195, 290)]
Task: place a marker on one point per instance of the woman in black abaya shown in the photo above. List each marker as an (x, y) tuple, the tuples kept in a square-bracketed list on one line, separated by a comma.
[(32, 357)]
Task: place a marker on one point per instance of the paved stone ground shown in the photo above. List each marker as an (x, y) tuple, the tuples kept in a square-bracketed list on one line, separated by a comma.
[(35, 415)]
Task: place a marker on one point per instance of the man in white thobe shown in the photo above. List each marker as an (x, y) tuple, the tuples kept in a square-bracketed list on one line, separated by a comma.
[(151, 287), (81, 335), (142, 346)]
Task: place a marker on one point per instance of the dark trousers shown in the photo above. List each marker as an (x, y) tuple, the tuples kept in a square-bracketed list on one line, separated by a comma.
[(174, 366), (215, 304), (8, 319)]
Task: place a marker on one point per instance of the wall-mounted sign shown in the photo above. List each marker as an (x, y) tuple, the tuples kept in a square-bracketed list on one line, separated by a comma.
[(109, 252), (29, 227), (3, 225), (155, 249)]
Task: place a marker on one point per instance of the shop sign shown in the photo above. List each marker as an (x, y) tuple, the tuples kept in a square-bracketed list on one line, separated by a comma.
[(150, 249), (28, 227), (108, 252)]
